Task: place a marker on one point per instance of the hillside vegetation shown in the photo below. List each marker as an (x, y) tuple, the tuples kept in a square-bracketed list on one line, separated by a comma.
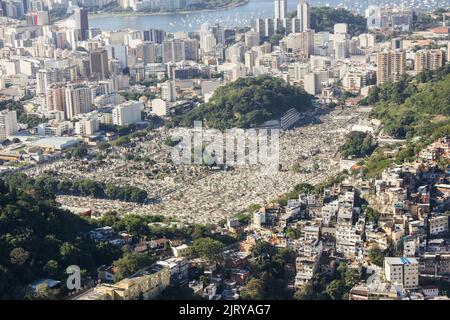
[(39, 240), (414, 106), (324, 19), (248, 102)]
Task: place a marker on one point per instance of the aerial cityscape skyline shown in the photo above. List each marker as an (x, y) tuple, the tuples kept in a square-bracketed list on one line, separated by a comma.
[(298, 154)]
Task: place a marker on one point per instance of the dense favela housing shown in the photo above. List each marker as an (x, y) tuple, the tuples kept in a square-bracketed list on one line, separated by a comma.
[(357, 210)]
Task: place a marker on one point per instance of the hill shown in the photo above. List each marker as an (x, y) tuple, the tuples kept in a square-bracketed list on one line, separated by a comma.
[(248, 102), (414, 106), (40, 240), (324, 19)]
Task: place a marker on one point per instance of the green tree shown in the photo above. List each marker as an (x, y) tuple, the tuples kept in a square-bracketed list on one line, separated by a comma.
[(358, 144), (248, 102), (372, 214), (253, 290), (130, 264), (306, 292), (336, 289), (376, 256), (208, 249), (52, 269)]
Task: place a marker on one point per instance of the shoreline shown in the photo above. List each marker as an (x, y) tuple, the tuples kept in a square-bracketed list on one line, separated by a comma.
[(132, 14)]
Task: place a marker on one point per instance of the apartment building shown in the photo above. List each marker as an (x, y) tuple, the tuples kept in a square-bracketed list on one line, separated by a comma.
[(145, 284), (391, 65), (438, 223), (8, 124), (402, 271), (428, 60), (127, 113), (78, 100)]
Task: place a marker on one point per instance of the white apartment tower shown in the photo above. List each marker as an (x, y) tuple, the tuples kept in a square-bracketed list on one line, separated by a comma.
[(168, 91), (303, 15), (280, 9), (207, 42)]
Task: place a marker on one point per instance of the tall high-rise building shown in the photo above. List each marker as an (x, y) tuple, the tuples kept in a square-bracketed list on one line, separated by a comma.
[(302, 43), (251, 39), (280, 9), (391, 65), (303, 14), (219, 33), (191, 49), (207, 42), (341, 49), (149, 52), (99, 63), (42, 81), (8, 123), (82, 21), (168, 91), (173, 50), (428, 60), (312, 83), (78, 100), (56, 98), (250, 59), (153, 35)]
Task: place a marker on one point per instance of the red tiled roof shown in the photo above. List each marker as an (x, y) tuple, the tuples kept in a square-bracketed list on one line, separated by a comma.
[(441, 30)]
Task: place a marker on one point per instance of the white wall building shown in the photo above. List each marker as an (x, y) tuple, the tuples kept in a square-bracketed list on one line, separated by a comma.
[(127, 113)]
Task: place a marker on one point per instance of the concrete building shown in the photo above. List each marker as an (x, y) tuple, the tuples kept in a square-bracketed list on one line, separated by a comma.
[(168, 91), (78, 100), (99, 63), (127, 113), (280, 11), (301, 43), (87, 127), (312, 83), (391, 65), (303, 15), (402, 271), (428, 60), (207, 42), (55, 97), (438, 223), (145, 284), (159, 107), (81, 21), (251, 39), (8, 124)]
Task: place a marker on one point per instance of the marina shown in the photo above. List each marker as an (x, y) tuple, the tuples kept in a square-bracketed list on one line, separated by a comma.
[(239, 16)]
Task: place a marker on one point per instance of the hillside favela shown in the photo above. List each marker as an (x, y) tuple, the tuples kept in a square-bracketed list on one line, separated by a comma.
[(230, 150)]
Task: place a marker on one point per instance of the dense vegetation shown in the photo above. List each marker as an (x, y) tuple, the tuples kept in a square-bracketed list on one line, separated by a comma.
[(248, 102), (269, 280), (413, 106), (358, 144), (424, 21), (324, 19), (330, 287), (50, 184), (39, 240), (131, 263)]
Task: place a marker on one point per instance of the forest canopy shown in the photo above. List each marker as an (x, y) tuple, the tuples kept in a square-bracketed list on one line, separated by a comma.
[(248, 102)]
